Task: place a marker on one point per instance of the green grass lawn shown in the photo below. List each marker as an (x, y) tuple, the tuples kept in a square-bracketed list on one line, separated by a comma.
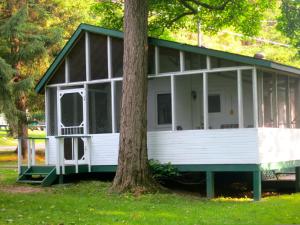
[(10, 141), (88, 202)]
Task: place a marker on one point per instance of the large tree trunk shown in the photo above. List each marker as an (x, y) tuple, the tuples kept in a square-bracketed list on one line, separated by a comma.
[(133, 172)]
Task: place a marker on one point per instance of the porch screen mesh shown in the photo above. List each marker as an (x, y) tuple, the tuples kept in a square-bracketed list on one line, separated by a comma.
[(219, 63), (118, 101), (269, 100), (99, 98), (294, 91), (193, 61), (151, 59), (98, 56), (52, 112), (59, 75), (77, 61), (247, 98), (117, 57), (223, 84), (282, 101), (72, 110), (168, 60)]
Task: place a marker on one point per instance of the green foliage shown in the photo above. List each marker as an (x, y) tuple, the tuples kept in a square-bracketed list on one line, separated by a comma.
[(242, 15), (161, 171), (289, 21)]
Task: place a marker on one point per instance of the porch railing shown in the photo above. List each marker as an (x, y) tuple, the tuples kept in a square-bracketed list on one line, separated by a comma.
[(60, 153), (31, 151)]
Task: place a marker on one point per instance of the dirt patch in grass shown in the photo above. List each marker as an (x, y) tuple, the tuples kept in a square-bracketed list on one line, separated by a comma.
[(21, 189)]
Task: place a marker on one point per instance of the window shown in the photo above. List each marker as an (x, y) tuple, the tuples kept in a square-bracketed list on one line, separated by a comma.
[(214, 103), (164, 114)]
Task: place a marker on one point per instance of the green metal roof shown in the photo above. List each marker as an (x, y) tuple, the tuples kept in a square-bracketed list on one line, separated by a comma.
[(163, 43)]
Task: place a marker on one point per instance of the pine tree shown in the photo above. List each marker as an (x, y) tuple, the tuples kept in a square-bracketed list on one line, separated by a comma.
[(24, 39)]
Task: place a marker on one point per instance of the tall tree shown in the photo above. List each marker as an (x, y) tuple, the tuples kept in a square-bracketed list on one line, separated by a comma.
[(289, 21), (133, 170)]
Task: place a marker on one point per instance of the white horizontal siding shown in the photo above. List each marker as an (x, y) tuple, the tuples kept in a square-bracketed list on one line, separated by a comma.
[(232, 146), (278, 144), (105, 149)]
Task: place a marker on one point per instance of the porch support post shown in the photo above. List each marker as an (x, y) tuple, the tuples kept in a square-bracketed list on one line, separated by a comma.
[(256, 185), (181, 61), (58, 112), (208, 64), (156, 58), (87, 57), (113, 106), (240, 98), (33, 152), (109, 63), (46, 152), (67, 73), (89, 150), (62, 156), (297, 178), (19, 155), (210, 184), (28, 153), (173, 100), (75, 146), (58, 156), (86, 109), (254, 93), (205, 102)]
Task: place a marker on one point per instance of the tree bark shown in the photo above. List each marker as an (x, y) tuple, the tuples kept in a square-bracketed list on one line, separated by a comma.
[(133, 173)]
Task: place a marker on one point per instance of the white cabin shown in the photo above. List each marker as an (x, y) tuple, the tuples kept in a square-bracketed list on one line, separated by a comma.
[(208, 110)]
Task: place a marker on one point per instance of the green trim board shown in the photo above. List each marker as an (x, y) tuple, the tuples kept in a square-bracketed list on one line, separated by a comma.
[(162, 43), (280, 165)]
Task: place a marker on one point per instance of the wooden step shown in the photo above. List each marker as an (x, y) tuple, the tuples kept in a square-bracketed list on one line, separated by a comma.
[(31, 181), (36, 174)]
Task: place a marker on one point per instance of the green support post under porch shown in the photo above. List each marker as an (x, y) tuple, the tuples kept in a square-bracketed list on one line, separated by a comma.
[(210, 184), (256, 185), (297, 178)]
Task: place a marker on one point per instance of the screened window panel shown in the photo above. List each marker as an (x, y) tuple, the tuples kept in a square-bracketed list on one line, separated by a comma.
[(188, 102), (164, 109), (151, 59), (169, 60), (77, 61), (117, 57), (222, 100), (99, 101), (52, 112), (269, 100), (98, 56), (118, 101), (219, 63), (247, 98), (294, 88), (193, 61), (59, 75), (282, 100)]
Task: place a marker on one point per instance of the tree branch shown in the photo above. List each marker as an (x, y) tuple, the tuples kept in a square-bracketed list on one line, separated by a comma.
[(205, 5)]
